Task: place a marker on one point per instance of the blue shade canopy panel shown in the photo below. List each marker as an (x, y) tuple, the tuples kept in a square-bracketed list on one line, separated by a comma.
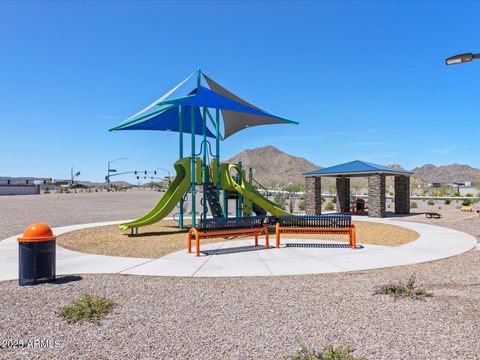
[(168, 120)]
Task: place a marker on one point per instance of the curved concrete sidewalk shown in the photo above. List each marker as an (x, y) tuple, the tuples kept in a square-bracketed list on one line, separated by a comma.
[(239, 258)]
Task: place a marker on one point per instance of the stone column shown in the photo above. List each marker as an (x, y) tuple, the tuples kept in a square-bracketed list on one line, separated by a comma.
[(343, 193), (402, 194), (376, 195), (313, 195)]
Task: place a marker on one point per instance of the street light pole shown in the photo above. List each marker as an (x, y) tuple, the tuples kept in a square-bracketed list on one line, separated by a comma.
[(113, 170), (461, 58), (168, 172), (73, 175)]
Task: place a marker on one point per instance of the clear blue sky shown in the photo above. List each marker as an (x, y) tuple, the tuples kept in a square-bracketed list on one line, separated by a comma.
[(366, 80)]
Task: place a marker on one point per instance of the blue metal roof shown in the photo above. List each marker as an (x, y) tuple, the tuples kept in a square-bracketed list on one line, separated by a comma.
[(357, 168)]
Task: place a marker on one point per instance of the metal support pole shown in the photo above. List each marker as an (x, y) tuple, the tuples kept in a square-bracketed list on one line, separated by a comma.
[(192, 129), (180, 152), (204, 164), (237, 180), (250, 180), (217, 149), (240, 197), (225, 203)]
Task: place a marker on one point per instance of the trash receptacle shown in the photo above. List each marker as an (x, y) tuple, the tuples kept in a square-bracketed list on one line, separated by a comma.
[(36, 255)]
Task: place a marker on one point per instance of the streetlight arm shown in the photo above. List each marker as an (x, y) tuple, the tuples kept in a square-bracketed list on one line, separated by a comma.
[(461, 58)]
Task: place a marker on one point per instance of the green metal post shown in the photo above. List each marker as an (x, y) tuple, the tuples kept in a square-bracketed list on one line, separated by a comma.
[(225, 203), (250, 180), (204, 163), (180, 152), (240, 198), (192, 109), (217, 149)]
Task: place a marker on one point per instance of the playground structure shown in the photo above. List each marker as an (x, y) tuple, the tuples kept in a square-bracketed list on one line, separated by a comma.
[(189, 114)]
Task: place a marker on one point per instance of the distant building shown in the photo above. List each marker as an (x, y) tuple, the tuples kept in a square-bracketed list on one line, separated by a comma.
[(21, 185)]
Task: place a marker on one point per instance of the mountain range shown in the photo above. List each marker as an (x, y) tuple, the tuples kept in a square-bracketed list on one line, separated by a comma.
[(447, 173), (273, 166)]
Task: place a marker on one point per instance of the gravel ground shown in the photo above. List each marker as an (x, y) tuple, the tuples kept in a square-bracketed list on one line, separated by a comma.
[(244, 318), (452, 217), (255, 318), (17, 212)]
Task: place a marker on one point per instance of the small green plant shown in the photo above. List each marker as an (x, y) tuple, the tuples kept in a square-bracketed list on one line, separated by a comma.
[(401, 289), (329, 206), (88, 307), (47, 190), (430, 202), (280, 199), (302, 204), (469, 195), (466, 202), (329, 353), (413, 205), (447, 201)]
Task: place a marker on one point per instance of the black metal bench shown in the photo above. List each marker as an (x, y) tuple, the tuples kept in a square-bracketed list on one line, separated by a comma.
[(316, 224), (227, 228)]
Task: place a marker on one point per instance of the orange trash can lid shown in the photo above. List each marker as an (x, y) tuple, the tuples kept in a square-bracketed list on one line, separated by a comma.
[(37, 233)]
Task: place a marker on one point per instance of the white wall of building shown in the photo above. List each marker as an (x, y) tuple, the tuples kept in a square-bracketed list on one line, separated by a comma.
[(19, 190)]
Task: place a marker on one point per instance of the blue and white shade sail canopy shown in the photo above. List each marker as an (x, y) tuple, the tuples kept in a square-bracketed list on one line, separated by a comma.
[(163, 114), (357, 168), (168, 119)]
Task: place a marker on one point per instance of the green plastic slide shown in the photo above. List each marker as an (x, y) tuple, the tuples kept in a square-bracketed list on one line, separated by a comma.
[(245, 189), (169, 200)]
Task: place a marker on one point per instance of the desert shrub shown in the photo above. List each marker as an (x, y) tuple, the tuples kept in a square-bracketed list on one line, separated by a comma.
[(329, 206), (87, 307), (469, 195), (329, 353), (47, 190), (302, 205), (413, 205), (280, 199), (447, 201), (430, 202), (401, 289), (466, 202), (456, 193)]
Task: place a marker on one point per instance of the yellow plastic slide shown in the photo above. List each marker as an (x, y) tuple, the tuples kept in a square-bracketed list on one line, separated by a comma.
[(169, 200)]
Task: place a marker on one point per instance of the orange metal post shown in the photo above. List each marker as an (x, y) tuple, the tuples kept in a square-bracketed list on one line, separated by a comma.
[(267, 244), (277, 235), (256, 240), (191, 232), (189, 249), (353, 238)]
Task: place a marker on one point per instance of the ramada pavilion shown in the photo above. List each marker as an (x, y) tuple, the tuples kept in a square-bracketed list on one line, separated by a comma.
[(376, 175)]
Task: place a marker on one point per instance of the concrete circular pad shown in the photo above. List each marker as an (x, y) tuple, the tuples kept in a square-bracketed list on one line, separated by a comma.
[(241, 258)]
